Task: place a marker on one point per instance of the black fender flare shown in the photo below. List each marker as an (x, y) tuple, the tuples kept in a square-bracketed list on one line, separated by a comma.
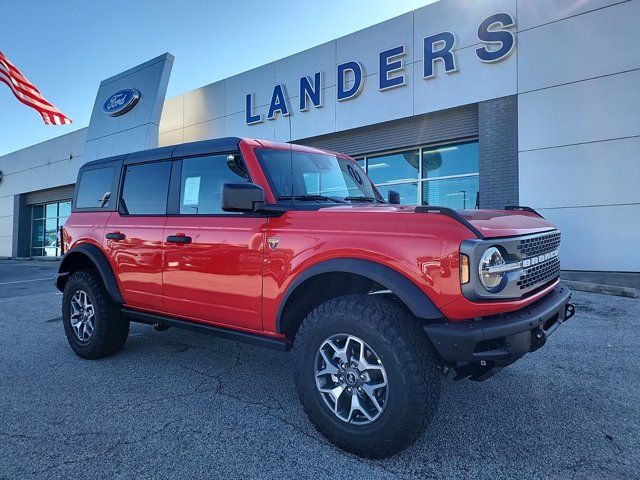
[(99, 260), (406, 290)]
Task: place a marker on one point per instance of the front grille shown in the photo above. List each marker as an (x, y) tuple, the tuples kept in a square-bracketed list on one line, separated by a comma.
[(540, 273), (532, 247)]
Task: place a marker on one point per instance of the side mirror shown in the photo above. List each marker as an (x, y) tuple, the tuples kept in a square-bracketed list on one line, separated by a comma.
[(242, 197), (393, 197)]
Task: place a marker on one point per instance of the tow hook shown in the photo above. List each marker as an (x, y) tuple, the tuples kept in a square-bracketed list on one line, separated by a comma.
[(569, 311), (538, 339), (161, 327)]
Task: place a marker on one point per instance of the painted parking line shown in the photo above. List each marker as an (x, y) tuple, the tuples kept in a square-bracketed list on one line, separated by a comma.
[(25, 281)]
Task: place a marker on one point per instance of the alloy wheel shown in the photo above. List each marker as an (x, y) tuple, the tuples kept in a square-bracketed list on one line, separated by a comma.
[(351, 379)]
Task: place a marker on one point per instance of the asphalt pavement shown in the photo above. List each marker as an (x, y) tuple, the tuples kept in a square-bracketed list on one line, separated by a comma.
[(177, 404)]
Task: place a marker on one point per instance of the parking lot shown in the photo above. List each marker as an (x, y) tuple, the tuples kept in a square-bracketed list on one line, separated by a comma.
[(176, 404)]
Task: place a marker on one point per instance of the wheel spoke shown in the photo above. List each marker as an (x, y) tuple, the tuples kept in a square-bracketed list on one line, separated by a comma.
[(369, 390), (357, 407), (88, 328), (341, 353), (330, 366)]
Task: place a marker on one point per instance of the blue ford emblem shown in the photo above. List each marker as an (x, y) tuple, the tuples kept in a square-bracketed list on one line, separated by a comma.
[(121, 102)]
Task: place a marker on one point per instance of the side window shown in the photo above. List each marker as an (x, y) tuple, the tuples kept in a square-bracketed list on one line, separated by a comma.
[(94, 188), (202, 180), (145, 188)]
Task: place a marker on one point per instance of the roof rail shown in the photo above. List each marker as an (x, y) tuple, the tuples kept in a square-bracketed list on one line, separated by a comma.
[(522, 209), (449, 212)]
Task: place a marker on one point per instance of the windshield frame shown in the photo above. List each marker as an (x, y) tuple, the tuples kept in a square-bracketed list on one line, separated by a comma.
[(316, 202)]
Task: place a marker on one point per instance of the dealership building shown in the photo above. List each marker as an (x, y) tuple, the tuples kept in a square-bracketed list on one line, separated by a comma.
[(460, 104)]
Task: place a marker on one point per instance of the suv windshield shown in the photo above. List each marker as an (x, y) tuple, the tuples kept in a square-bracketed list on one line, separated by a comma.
[(317, 177)]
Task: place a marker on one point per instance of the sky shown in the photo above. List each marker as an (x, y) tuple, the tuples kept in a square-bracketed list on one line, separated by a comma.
[(66, 48)]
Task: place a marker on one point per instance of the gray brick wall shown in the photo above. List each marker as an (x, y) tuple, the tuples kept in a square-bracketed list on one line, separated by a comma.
[(498, 145)]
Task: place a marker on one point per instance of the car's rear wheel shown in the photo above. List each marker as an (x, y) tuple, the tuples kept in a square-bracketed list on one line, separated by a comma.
[(92, 321), (366, 374)]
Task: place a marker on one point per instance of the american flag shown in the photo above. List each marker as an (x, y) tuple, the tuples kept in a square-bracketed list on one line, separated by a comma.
[(27, 93)]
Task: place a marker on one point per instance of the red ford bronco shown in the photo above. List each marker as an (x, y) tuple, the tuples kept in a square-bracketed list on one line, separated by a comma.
[(287, 246)]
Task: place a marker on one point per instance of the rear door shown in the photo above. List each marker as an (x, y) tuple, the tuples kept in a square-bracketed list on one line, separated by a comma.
[(134, 233), (213, 259)]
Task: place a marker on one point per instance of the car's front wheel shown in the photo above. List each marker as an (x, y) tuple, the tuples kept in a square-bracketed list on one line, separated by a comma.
[(366, 374), (92, 321)]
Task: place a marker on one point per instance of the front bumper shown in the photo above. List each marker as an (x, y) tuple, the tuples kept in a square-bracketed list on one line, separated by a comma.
[(479, 348)]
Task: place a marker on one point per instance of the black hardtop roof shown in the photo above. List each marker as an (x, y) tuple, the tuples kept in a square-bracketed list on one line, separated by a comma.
[(204, 147)]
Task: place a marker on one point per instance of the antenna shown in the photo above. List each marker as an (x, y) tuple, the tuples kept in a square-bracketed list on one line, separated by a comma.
[(293, 197)]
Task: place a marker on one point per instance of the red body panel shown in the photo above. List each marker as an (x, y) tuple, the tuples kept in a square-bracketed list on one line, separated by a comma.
[(217, 278), (229, 276), (137, 260)]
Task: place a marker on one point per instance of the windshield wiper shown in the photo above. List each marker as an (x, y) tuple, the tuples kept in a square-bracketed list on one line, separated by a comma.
[(362, 199), (311, 198)]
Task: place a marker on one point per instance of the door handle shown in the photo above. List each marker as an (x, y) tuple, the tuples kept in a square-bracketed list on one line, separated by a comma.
[(115, 236), (178, 239)]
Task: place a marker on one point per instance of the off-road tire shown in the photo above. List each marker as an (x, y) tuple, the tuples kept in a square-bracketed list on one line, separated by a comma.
[(410, 361), (110, 327)]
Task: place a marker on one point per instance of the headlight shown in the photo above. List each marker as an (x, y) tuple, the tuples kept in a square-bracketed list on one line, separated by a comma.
[(491, 270)]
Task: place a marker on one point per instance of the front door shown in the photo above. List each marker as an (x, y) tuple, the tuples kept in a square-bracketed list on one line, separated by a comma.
[(212, 259), (134, 234)]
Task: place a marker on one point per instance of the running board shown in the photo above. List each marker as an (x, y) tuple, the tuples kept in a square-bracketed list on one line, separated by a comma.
[(228, 333)]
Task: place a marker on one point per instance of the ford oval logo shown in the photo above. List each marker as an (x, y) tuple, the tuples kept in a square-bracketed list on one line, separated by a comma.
[(121, 102)]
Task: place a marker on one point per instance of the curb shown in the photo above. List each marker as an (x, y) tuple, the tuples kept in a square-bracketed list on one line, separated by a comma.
[(616, 290)]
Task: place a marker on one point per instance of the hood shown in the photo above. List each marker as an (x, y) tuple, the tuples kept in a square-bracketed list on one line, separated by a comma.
[(506, 223), (490, 223)]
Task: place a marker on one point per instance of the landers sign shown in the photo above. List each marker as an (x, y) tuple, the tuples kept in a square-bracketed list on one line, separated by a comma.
[(497, 44)]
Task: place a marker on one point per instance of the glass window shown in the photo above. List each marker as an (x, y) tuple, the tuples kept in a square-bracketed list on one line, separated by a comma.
[(202, 181), (94, 190), (38, 211), (37, 233), (64, 209), (394, 167), (408, 192), (316, 174), (457, 192), (450, 160), (51, 210), (44, 231), (145, 188)]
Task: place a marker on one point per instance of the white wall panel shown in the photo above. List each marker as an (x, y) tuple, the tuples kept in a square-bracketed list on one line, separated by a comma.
[(173, 137), (374, 106), (317, 121), (20, 182), (474, 82), (6, 223), (317, 59), (173, 113), (598, 109), (8, 165), (40, 154), (365, 45), (598, 238), (461, 17), (235, 126), (6, 244), (532, 13), (205, 130), (6, 206), (205, 103), (601, 173), (259, 81), (598, 43), (23, 159)]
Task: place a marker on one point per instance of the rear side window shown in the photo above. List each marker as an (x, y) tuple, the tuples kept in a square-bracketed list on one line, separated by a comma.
[(145, 188), (202, 181), (94, 188)]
